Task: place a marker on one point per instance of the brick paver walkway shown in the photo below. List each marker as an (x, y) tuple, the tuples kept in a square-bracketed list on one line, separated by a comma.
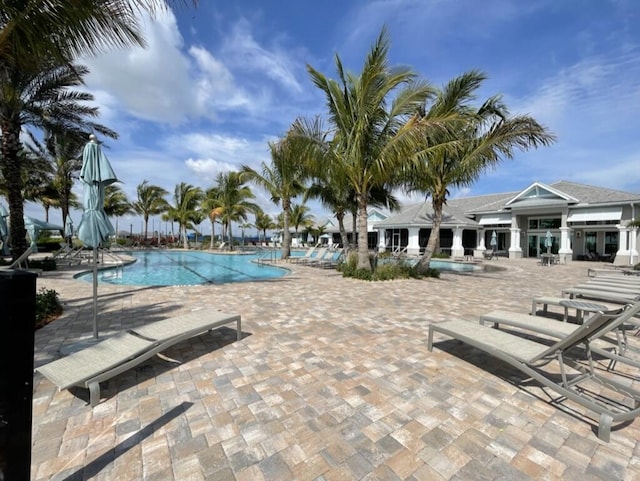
[(331, 381)]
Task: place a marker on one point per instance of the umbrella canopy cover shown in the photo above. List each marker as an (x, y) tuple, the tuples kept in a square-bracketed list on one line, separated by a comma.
[(68, 227), (548, 239), (96, 173), (494, 239)]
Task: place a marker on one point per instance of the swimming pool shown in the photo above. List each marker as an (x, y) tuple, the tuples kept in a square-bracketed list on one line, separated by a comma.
[(185, 268)]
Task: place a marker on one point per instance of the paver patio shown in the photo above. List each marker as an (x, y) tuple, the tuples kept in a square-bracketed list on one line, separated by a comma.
[(331, 381)]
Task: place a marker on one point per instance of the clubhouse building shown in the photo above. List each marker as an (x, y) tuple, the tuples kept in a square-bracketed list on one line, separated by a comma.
[(574, 221)]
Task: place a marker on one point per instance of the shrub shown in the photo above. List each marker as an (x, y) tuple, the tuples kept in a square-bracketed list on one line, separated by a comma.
[(383, 271), (48, 307)]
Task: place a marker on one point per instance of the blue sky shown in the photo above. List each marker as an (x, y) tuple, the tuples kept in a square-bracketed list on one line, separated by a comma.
[(219, 81)]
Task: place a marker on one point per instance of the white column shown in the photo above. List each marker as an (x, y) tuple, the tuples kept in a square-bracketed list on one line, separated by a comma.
[(515, 251), (413, 247), (382, 240), (622, 256), (565, 247), (480, 240), (633, 245), (456, 249)]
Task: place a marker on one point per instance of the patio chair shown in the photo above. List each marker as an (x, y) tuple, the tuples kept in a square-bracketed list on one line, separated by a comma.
[(534, 360), (119, 353), (611, 343), (307, 255), (20, 262), (319, 254), (600, 294)]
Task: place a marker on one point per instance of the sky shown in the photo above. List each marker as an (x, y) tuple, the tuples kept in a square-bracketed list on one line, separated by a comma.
[(218, 82)]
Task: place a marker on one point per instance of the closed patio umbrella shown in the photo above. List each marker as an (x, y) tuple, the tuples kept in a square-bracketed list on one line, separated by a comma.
[(68, 230), (95, 227), (494, 240), (548, 241)]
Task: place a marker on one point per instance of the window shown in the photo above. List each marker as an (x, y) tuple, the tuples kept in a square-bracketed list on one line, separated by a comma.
[(590, 242), (545, 223), (610, 243)]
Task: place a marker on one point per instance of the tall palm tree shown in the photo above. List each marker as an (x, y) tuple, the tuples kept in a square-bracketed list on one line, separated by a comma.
[(116, 203), (38, 42), (33, 30), (211, 207), (263, 222), (372, 116), (483, 137), (150, 202), (43, 99), (283, 179), (301, 217), (234, 200), (63, 153), (186, 209)]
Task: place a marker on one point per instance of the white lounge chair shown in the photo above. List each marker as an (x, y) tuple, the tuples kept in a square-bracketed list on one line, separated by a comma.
[(611, 343), (20, 262), (533, 359), (102, 361)]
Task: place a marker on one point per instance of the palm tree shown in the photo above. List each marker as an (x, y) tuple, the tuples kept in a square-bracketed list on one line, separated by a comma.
[(44, 100), (63, 153), (116, 203), (234, 203), (371, 138), (31, 31), (263, 222), (482, 138), (301, 217), (185, 210), (211, 207), (38, 42), (150, 202), (283, 179)]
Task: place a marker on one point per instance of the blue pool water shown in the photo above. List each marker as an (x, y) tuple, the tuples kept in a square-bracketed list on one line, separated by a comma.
[(170, 268)]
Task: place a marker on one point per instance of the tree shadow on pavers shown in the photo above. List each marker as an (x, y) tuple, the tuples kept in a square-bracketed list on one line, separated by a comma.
[(503, 370), (131, 384), (97, 465)]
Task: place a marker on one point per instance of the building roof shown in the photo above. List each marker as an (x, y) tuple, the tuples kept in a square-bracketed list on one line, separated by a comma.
[(462, 211)]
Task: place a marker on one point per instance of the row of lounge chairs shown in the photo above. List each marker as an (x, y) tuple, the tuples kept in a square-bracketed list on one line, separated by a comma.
[(323, 257), (563, 357)]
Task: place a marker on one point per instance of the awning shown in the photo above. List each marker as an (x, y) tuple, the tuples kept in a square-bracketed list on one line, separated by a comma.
[(492, 219), (595, 214)]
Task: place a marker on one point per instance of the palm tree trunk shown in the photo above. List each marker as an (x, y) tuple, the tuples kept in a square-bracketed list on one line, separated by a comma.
[(11, 171), (354, 227), (343, 232), (363, 247), (230, 236), (213, 232), (183, 232), (434, 236), (286, 236)]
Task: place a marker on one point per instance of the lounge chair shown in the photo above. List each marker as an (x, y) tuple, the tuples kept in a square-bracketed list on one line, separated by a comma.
[(319, 254), (114, 355), (330, 261), (307, 255), (530, 357), (20, 262), (599, 294), (611, 342)]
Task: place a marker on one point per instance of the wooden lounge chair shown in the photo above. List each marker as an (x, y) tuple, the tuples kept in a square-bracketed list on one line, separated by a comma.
[(534, 360), (599, 294), (102, 361)]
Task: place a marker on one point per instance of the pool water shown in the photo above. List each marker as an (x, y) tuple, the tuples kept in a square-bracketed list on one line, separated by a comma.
[(170, 268)]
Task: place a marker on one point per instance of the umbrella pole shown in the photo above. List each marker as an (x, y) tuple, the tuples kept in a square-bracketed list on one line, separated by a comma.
[(95, 293)]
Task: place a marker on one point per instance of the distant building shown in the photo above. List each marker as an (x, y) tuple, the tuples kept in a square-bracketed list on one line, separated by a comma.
[(584, 222)]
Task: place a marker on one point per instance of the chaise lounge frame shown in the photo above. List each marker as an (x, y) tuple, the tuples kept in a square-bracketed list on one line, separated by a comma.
[(529, 357), (119, 353)]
